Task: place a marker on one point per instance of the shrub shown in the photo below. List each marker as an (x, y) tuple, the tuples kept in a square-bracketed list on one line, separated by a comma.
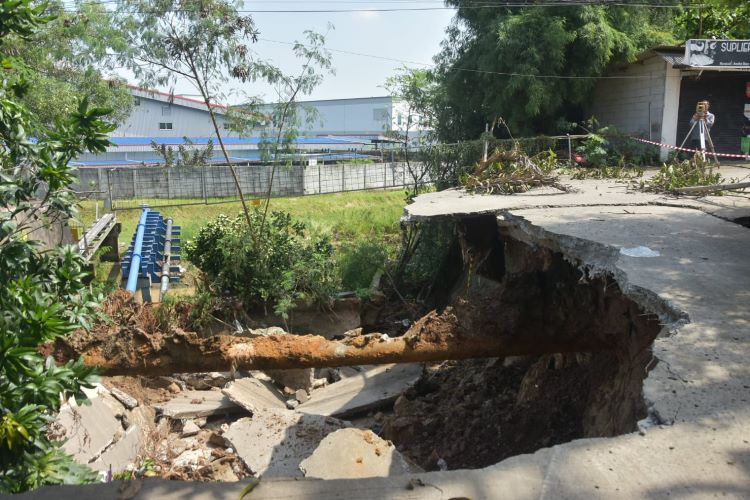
[(359, 264), (271, 263)]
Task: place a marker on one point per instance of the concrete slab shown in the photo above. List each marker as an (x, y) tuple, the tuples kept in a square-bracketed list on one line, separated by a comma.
[(272, 443), (122, 453), (192, 404), (365, 391), (454, 202), (252, 394), (89, 428), (354, 453)]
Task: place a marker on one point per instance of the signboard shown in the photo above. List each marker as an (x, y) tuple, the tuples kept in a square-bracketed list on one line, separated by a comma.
[(718, 53)]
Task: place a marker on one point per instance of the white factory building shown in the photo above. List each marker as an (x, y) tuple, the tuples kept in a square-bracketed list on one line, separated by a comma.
[(159, 114)]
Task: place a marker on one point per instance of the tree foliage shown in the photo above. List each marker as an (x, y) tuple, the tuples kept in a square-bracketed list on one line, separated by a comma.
[(42, 296), (67, 57), (187, 154), (533, 66), (715, 19)]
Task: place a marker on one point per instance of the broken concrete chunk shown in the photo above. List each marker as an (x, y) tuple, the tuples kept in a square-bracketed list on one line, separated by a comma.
[(302, 395), (124, 398), (369, 390), (274, 442), (121, 453), (251, 394), (89, 429), (192, 404), (352, 454), (292, 404), (190, 428)]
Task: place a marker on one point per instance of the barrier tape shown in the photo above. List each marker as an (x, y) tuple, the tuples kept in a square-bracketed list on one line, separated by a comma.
[(689, 150)]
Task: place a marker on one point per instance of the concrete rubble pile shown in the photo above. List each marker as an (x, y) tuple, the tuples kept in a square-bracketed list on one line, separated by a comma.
[(229, 426)]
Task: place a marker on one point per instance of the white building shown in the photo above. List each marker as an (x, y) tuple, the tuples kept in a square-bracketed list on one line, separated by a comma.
[(361, 117), (159, 114)]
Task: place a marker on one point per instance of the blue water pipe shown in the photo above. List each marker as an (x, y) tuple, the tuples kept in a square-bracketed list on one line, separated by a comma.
[(135, 262)]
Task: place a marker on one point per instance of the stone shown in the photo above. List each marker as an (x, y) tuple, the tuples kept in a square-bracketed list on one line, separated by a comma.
[(89, 429), (122, 453), (174, 388), (128, 401), (190, 428), (302, 396), (302, 378), (204, 381), (292, 404), (352, 454), (370, 390), (192, 404), (273, 442), (222, 471), (251, 394)]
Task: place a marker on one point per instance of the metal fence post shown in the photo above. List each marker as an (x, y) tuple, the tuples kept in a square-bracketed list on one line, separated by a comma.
[(320, 185), (364, 184), (135, 179), (342, 178), (169, 184), (570, 151)]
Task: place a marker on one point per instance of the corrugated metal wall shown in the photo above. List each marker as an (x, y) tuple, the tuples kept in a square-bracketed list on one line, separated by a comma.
[(145, 118), (633, 105)]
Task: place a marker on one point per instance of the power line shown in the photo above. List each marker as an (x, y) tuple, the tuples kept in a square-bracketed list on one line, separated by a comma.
[(499, 73), (476, 6)]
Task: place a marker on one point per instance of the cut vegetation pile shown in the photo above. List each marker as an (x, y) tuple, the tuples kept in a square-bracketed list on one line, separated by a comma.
[(512, 171)]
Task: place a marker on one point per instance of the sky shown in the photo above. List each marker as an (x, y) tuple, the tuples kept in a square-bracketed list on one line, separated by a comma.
[(405, 35)]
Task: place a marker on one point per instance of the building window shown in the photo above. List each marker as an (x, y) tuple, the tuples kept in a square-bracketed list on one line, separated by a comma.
[(166, 110), (398, 119), (165, 126), (136, 101)]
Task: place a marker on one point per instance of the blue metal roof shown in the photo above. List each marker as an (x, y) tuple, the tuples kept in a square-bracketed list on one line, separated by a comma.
[(158, 161), (230, 141)]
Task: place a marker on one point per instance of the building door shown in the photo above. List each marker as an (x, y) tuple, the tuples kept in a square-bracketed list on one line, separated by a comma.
[(727, 93)]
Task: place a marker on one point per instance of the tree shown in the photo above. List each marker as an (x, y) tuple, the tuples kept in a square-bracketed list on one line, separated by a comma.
[(42, 297), (534, 66), (201, 41), (715, 18), (67, 57), (184, 157), (415, 88)]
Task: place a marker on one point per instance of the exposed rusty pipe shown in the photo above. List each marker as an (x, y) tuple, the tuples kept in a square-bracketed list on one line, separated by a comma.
[(186, 352)]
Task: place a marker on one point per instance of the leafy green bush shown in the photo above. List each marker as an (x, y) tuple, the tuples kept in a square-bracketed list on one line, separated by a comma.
[(271, 263), (608, 147), (359, 264), (42, 296)]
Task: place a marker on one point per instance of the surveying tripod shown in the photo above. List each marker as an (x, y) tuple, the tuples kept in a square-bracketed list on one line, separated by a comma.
[(703, 133)]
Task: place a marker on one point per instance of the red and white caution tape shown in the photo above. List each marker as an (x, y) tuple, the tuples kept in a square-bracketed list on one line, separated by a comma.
[(689, 150)]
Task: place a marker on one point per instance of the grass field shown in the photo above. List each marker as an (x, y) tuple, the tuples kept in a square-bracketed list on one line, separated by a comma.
[(345, 217)]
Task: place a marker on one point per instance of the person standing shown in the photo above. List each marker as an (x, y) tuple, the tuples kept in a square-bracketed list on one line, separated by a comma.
[(707, 117)]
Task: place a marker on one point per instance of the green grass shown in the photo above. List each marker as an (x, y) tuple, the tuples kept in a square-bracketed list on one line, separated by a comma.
[(345, 217)]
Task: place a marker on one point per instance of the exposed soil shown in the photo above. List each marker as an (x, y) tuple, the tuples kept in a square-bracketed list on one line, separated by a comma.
[(471, 414)]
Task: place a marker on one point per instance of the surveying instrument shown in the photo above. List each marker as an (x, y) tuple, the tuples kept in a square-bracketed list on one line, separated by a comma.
[(701, 112)]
